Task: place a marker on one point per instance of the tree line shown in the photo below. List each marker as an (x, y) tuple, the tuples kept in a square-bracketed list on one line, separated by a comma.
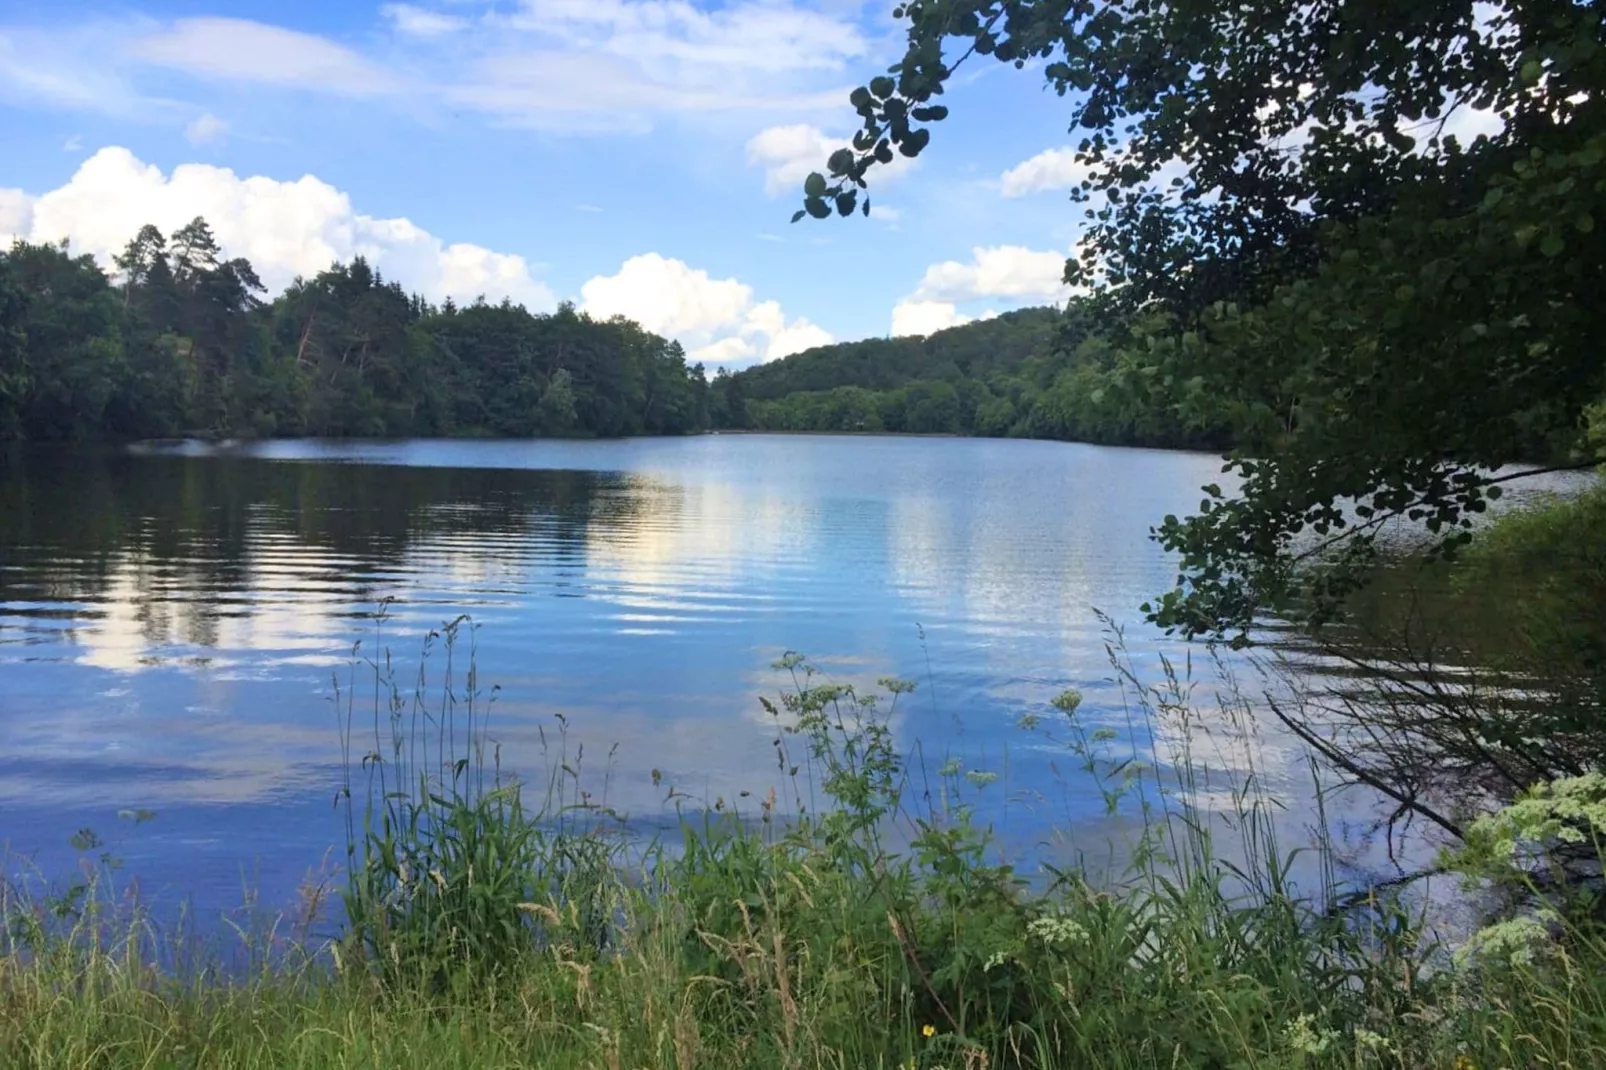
[(1034, 373), (181, 341)]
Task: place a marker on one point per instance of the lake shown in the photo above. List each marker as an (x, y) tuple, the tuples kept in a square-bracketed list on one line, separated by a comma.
[(173, 618)]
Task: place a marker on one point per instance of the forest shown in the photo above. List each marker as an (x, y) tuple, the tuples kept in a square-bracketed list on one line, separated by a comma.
[(182, 342), (1034, 373)]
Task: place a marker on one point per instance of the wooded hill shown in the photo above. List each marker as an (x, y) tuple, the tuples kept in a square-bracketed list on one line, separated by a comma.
[(183, 343), (1038, 372)]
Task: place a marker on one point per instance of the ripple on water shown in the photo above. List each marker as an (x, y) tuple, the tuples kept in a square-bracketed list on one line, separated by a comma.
[(172, 621)]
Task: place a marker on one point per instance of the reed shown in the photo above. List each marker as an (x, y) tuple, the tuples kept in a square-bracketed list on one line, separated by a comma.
[(490, 922)]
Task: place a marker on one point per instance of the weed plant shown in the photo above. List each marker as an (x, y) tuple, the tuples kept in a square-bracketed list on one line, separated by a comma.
[(847, 921)]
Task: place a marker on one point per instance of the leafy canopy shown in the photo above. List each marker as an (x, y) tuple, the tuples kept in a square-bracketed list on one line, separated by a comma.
[(1385, 312)]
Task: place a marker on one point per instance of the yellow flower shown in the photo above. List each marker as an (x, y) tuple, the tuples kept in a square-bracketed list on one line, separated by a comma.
[(928, 1031), (1464, 1063)]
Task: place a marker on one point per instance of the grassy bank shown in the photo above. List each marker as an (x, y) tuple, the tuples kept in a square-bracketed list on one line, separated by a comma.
[(491, 924)]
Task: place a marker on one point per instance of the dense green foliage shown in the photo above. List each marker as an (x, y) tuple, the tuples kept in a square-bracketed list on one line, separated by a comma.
[(1383, 312), (880, 932), (1035, 373), (183, 343)]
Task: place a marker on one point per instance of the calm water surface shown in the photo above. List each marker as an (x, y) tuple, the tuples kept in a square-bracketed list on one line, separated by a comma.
[(171, 617)]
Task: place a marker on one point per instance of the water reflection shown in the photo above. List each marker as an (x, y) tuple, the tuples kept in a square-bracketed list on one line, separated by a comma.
[(171, 618)]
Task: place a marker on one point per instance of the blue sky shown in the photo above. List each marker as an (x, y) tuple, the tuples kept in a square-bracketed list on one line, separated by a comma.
[(635, 156)]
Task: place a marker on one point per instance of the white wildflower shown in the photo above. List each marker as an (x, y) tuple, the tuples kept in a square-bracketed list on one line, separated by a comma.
[(1517, 941), (1056, 931), (1302, 1036)]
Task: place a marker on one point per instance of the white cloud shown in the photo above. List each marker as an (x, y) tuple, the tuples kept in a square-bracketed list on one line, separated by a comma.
[(767, 37), (1058, 169), (16, 216), (206, 129), (1049, 169), (77, 67), (421, 22), (715, 319), (925, 317), (587, 208), (1466, 123), (597, 92), (1014, 272), (998, 271), (284, 228), (667, 296), (789, 153), (73, 144), (583, 65), (242, 50), (783, 338), (561, 65)]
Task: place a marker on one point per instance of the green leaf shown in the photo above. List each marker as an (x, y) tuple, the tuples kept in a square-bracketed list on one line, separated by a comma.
[(799, 214), (883, 87), (916, 141), (845, 202), (814, 185), (816, 207), (1553, 245), (841, 162)]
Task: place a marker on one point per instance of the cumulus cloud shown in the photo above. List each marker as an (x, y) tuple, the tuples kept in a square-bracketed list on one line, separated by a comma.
[(16, 216), (206, 129), (1012, 272), (911, 317), (667, 296), (789, 153), (1049, 169), (284, 228), (242, 50), (998, 271), (715, 319)]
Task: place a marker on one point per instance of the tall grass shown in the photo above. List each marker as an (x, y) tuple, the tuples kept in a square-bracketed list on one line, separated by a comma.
[(848, 920)]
